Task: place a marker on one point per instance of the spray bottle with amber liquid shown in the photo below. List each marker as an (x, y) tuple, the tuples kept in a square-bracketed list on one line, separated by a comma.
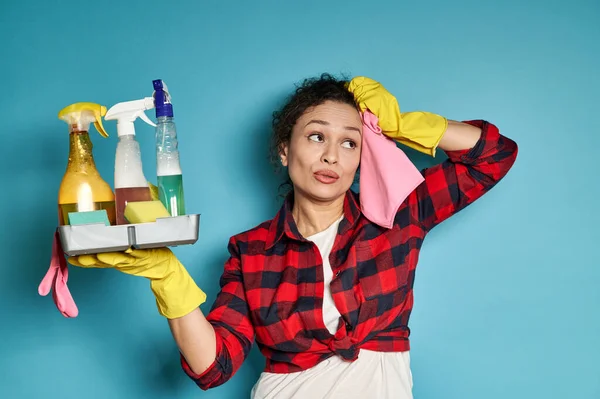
[(82, 188)]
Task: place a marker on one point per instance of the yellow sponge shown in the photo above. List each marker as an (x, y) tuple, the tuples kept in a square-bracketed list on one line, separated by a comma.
[(145, 211)]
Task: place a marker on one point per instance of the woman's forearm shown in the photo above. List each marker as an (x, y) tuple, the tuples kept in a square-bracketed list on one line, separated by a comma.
[(459, 136), (195, 337)]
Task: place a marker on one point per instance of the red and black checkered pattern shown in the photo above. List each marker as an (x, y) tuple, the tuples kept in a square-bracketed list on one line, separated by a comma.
[(272, 285)]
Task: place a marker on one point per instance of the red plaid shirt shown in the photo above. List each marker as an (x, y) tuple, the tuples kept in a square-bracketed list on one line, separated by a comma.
[(272, 285)]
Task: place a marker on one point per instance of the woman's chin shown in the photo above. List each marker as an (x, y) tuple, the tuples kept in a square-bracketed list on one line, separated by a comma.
[(326, 192)]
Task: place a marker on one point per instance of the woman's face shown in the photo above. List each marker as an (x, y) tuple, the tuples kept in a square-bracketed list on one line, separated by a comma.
[(324, 151)]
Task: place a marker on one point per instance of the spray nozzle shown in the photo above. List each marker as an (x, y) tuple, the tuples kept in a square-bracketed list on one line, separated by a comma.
[(82, 114), (162, 99), (126, 113)]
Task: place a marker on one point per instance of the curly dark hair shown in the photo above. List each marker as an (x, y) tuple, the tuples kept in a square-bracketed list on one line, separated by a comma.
[(310, 93)]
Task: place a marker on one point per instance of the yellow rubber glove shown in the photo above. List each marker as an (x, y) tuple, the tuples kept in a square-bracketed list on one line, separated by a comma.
[(419, 130), (176, 292)]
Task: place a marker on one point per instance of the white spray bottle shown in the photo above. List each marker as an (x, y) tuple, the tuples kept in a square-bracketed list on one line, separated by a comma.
[(130, 183)]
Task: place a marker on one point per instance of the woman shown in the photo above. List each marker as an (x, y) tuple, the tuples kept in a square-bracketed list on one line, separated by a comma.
[(325, 292)]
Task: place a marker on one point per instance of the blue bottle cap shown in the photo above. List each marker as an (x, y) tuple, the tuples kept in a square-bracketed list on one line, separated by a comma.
[(162, 99)]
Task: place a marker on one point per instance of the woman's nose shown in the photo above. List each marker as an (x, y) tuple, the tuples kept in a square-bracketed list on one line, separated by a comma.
[(329, 155)]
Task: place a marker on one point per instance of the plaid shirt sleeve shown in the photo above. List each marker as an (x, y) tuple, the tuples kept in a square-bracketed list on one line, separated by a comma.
[(464, 177), (234, 332)]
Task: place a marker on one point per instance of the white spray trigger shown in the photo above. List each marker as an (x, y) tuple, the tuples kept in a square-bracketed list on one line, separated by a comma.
[(126, 113), (145, 118)]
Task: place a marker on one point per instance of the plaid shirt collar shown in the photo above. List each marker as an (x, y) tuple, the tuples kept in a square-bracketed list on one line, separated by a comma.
[(284, 224)]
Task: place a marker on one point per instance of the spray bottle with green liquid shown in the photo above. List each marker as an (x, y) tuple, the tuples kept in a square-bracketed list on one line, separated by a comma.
[(168, 168)]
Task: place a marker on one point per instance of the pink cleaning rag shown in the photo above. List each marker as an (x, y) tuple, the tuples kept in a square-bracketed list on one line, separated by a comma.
[(56, 279), (387, 176)]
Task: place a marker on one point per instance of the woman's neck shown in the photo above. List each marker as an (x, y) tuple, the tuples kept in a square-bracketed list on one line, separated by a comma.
[(312, 217)]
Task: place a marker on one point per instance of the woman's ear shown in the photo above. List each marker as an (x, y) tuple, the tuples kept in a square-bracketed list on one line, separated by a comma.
[(283, 154)]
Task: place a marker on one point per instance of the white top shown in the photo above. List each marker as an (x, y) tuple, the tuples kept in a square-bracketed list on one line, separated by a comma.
[(379, 375)]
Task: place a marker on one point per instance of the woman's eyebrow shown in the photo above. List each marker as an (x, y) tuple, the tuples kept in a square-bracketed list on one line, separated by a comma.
[(325, 123)]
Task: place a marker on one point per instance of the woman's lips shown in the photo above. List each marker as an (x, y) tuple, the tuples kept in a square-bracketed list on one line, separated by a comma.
[(326, 176)]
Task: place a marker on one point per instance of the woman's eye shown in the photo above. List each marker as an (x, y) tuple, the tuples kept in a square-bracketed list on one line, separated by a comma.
[(349, 144), (316, 137)]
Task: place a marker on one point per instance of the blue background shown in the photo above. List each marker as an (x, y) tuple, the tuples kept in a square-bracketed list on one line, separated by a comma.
[(507, 292)]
